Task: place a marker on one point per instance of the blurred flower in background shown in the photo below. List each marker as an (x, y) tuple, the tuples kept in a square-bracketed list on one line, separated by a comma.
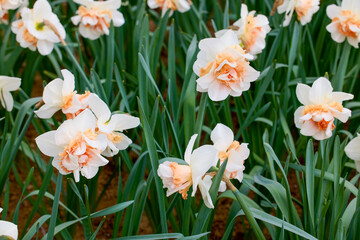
[(304, 9), (352, 150), (8, 230), (173, 5), (7, 85)]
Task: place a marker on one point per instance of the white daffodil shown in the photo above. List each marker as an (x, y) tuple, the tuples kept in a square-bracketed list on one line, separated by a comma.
[(94, 17), (321, 107), (251, 30), (236, 153), (345, 22), (223, 67), (60, 94), (8, 84), (39, 28), (352, 150), (175, 5), (75, 146), (112, 126), (10, 4), (8, 229), (179, 178), (304, 9)]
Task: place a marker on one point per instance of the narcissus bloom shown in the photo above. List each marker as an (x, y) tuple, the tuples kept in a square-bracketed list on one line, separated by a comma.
[(174, 5), (8, 229), (95, 17), (304, 9), (60, 94), (345, 22), (39, 28), (179, 178), (236, 153), (223, 67), (75, 146), (10, 4), (321, 107), (8, 84), (112, 126), (352, 150), (251, 30)]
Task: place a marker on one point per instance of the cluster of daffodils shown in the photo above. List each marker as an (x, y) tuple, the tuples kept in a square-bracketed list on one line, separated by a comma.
[(345, 22), (195, 169), (250, 30), (304, 9), (8, 230), (7, 85), (223, 67), (90, 132), (321, 107), (174, 5)]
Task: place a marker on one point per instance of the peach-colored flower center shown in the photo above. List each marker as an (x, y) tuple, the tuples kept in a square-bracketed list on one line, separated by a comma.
[(97, 14), (303, 9), (181, 176), (322, 124), (349, 19), (78, 142), (227, 74), (114, 137), (223, 155), (27, 36), (251, 33), (68, 102), (170, 4)]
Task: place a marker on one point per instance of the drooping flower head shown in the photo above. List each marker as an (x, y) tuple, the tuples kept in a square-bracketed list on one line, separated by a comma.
[(304, 9), (60, 94), (112, 126), (345, 22), (75, 146), (321, 107), (95, 17), (236, 153), (8, 229), (179, 178), (174, 5), (39, 28), (251, 30), (8, 84), (223, 67), (352, 150)]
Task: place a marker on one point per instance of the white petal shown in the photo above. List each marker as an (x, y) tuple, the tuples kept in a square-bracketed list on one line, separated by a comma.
[(222, 137), (47, 145), (218, 91), (99, 108), (320, 90), (69, 82), (9, 83), (45, 47), (6, 100), (8, 229), (189, 148), (47, 111), (204, 186), (125, 142), (52, 93), (302, 93), (352, 150), (124, 121)]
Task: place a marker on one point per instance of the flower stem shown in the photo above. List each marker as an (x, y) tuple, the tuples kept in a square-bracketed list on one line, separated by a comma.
[(253, 223)]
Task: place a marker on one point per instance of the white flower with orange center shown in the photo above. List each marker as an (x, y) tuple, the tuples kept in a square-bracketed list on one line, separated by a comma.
[(236, 153), (345, 22), (39, 28), (352, 150), (95, 17), (223, 67), (321, 107), (7, 85), (174, 5), (251, 30), (8, 230), (60, 94), (179, 178), (304, 9), (10, 4), (75, 146), (112, 126)]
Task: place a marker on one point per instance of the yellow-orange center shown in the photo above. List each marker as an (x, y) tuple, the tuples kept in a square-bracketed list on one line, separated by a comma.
[(322, 124), (303, 9), (95, 13), (251, 33), (225, 154), (349, 19), (181, 176)]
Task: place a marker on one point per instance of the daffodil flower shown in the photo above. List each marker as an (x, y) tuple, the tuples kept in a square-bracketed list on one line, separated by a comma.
[(223, 67), (179, 178), (251, 30), (60, 94), (39, 28), (352, 150), (8, 84), (175, 5), (75, 146), (345, 22), (8, 229), (304, 9), (236, 153), (10, 4), (321, 107), (94, 17), (112, 126)]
